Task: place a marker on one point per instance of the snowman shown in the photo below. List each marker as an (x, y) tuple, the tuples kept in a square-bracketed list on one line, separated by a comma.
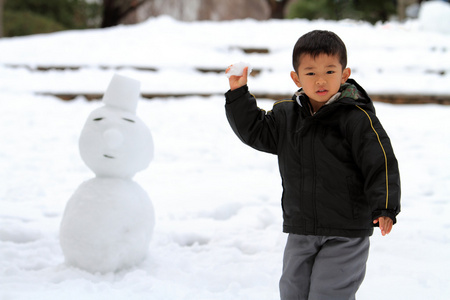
[(108, 221)]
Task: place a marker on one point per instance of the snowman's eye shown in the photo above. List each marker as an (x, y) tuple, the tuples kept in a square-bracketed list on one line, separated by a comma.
[(129, 120), (98, 119)]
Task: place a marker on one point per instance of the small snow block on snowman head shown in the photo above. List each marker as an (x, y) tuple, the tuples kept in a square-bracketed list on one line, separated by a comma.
[(122, 93)]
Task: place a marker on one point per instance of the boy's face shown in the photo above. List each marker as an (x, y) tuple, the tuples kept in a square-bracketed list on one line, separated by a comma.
[(320, 77)]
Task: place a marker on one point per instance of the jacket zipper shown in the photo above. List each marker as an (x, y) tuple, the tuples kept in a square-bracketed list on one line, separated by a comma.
[(314, 180)]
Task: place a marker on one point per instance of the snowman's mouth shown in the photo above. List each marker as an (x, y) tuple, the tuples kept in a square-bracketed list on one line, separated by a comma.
[(108, 156)]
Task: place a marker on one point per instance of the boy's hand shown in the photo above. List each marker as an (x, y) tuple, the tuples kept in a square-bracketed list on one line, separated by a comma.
[(386, 224), (237, 81)]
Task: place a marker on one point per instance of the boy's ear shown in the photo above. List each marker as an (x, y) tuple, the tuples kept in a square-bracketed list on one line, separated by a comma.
[(295, 78), (345, 75)]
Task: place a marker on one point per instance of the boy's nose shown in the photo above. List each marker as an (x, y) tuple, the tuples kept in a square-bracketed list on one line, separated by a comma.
[(320, 81)]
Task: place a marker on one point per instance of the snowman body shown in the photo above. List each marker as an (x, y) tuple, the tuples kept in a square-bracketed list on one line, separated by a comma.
[(108, 221), (107, 225)]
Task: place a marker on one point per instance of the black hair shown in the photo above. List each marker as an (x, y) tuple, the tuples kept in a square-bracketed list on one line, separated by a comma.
[(319, 42)]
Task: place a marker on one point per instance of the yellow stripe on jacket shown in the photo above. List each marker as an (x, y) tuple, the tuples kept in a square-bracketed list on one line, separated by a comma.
[(384, 153)]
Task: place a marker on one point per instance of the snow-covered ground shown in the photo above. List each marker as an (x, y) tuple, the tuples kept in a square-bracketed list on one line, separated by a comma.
[(217, 202)]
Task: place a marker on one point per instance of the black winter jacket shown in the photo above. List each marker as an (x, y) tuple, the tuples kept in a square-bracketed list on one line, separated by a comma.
[(338, 168)]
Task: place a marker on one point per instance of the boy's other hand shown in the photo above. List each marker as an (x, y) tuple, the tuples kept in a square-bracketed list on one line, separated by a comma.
[(237, 81), (385, 224)]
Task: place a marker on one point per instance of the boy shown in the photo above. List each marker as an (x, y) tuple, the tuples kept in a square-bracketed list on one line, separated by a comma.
[(339, 174)]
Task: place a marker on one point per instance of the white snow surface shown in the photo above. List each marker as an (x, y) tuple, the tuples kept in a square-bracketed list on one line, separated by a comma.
[(217, 202)]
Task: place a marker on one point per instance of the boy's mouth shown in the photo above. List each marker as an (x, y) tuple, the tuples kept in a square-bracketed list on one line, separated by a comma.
[(321, 92)]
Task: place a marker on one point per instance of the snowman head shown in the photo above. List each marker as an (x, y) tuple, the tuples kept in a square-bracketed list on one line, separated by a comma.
[(114, 141)]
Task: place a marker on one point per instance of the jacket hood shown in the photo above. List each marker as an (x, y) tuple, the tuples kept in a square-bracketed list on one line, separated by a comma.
[(352, 93)]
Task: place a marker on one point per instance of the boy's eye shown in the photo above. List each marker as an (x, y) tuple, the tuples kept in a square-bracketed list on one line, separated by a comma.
[(310, 74), (330, 72)]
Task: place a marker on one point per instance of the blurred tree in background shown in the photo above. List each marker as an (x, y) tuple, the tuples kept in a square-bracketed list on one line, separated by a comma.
[(367, 10), (319, 9), (114, 11), (277, 8), (24, 17), (375, 10), (1, 18)]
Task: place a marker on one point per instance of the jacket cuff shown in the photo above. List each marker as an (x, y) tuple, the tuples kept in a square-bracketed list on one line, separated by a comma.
[(232, 95), (384, 213)]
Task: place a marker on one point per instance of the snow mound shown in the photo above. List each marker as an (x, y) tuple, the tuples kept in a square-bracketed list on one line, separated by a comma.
[(435, 16)]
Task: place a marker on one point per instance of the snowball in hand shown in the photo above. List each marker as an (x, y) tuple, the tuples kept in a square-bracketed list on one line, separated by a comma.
[(238, 69)]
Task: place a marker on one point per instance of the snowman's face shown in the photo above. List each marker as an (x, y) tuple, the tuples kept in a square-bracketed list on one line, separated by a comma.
[(115, 143)]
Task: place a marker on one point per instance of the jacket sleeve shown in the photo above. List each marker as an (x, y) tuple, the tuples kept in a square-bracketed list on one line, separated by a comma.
[(373, 153), (254, 126)]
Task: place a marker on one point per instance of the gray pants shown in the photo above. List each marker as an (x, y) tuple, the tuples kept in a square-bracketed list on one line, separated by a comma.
[(323, 268)]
